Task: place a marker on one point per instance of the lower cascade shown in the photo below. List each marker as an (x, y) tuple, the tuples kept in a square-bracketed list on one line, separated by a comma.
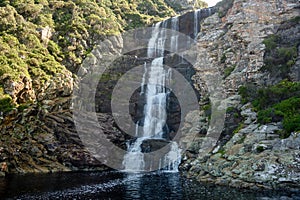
[(154, 124)]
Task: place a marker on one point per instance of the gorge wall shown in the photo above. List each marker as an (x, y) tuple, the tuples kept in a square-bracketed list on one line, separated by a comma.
[(236, 53), (251, 151)]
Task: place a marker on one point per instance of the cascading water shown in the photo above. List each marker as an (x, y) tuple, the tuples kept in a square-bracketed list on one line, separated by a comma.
[(174, 38), (196, 22), (153, 86)]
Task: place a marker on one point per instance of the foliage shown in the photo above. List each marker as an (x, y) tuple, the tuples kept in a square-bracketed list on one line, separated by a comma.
[(248, 92), (260, 149), (6, 104), (295, 19), (223, 58), (276, 103), (207, 109), (200, 4), (240, 127), (230, 109), (222, 152), (279, 57), (228, 71), (271, 42), (280, 102), (74, 27), (264, 97)]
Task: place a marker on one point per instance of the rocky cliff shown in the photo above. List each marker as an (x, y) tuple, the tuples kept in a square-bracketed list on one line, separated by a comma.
[(247, 50)]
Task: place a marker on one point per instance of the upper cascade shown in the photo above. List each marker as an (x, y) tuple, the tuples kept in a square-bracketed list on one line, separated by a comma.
[(188, 23)]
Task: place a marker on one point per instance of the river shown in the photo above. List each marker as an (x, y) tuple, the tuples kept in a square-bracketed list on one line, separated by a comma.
[(118, 185)]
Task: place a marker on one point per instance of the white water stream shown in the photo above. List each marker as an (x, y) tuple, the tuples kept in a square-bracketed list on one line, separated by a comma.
[(155, 110)]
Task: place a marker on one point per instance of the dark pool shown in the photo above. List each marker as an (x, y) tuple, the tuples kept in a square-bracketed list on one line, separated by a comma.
[(117, 185)]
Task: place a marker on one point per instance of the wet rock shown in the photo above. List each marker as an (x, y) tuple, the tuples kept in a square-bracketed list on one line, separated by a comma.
[(151, 145)]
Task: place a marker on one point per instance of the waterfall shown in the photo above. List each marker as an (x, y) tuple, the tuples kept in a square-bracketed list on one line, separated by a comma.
[(153, 44), (155, 108), (153, 87), (174, 37), (196, 22), (134, 159)]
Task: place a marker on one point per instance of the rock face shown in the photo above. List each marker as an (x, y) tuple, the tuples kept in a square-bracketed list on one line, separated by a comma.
[(254, 157), (232, 48), (153, 145), (44, 139)]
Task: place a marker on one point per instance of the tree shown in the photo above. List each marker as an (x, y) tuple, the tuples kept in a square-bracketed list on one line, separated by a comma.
[(200, 4)]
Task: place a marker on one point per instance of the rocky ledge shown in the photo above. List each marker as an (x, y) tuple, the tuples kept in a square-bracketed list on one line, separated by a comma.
[(255, 157), (43, 139)]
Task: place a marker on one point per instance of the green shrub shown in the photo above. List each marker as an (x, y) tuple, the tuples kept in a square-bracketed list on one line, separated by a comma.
[(288, 110), (295, 19), (230, 109), (200, 4), (6, 104), (271, 42), (279, 56), (287, 53), (292, 123), (260, 149), (207, 109), (228, 71), (240, 127), (223, 58), (280, 102), (269, 115), (262, 98), (222, 152), (248, 92)]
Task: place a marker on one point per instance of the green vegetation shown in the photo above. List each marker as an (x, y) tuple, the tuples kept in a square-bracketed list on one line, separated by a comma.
[(230, 109), (222, 152), (280, 102), (40, 38), (6, 103), (242, 139), (228, 71), (200, 4), (178, 7), (223, 58), (207, 110), (240, 127), (279, 57), (295, 19), (262, 98), (271, 42), (260, 149)]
